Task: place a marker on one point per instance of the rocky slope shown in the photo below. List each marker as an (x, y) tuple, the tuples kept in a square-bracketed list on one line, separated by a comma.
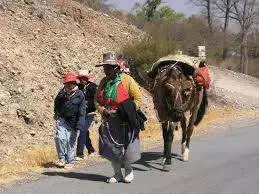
[(39, 42)]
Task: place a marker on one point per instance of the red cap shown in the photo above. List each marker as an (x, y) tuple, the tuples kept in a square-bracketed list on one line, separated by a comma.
[(70, 77)]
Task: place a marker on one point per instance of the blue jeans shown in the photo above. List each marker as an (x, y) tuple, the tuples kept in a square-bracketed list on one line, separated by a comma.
[(65, 140), (84, 138)]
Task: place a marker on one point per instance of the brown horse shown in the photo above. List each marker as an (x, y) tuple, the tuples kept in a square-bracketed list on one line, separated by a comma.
[(174, 94)]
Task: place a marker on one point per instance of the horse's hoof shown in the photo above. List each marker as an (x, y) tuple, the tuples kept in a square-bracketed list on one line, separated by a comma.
[(186, 155), (166, 168), (163, 161), (183, 147)]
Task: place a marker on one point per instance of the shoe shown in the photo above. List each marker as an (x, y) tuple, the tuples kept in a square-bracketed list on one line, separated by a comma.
[(60, 163), (92, 154), (129, 177), (69, 166), (115, 179), (78, 158)]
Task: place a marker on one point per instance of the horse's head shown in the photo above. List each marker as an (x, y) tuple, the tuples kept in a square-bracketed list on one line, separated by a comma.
[(177, 95)]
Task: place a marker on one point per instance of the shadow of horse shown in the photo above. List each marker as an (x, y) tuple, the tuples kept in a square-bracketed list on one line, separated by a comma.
[(151, 159), (77, 175)]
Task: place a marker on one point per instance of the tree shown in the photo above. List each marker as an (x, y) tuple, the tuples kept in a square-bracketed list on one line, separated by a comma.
[(207, 5), (166, 13), (146, 10), (150, 7), (245, 13), (224, 8)]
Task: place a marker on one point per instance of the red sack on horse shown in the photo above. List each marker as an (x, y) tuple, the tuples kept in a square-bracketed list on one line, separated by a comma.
[(202, 77)]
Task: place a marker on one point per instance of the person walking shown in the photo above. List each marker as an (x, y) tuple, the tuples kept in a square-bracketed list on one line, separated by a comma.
[(69, 113), (88, 88), (117, 99)]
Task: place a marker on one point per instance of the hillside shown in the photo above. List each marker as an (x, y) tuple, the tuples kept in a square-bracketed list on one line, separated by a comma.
[(39, 42)]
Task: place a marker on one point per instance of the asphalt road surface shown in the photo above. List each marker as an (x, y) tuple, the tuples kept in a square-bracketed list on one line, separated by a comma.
[(226, 161)]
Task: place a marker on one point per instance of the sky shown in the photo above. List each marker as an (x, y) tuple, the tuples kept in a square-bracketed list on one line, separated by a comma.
[(178, 5)]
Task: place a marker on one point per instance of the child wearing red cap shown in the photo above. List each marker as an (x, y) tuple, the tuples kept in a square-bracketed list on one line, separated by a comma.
[(69, 109)]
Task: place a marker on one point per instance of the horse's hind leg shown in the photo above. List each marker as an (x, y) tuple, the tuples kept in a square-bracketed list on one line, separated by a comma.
[(168, 136)]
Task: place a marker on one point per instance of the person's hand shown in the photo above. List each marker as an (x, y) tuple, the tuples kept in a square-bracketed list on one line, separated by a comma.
[(106, 113), (79, 129), (55, 117), (91, 114)]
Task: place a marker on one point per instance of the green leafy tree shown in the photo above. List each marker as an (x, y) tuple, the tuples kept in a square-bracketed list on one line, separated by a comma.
[(150, 8), (168, 14), (146, 13)]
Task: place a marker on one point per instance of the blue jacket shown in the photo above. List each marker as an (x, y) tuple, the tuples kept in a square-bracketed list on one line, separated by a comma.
[(71, 109)]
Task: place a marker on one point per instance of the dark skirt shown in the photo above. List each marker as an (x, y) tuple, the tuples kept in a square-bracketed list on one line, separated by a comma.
[(116, 141)]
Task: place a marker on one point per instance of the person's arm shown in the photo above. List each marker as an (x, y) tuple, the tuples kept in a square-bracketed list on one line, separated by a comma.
[(135, 93), (57, 102), (56, 105), (98, 105), (92, 91), (81, 113)]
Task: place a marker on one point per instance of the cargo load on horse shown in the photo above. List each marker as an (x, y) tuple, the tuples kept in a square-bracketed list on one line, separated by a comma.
[(192, 67)]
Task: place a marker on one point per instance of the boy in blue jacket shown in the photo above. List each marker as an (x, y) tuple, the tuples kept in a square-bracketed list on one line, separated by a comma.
[(69, 109)]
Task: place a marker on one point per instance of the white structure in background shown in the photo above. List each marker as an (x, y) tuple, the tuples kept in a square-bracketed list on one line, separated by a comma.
[(202, 52), (179, 52)]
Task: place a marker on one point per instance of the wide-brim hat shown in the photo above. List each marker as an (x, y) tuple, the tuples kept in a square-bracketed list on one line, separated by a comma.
[(109, 59)]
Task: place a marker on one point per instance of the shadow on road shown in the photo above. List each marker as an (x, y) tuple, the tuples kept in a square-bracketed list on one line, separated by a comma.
[(81, 176), (151, 160)]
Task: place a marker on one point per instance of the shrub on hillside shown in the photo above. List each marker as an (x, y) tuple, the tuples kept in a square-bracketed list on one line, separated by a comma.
[(141, 55)]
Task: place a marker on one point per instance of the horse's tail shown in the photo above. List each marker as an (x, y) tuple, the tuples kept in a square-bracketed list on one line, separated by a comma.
[(202, 108)]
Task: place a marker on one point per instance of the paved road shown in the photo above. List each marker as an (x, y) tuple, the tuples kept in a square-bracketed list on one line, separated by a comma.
[(221, 162)]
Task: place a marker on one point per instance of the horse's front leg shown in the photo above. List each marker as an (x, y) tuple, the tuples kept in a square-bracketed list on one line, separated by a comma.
[(168, 136), (184, 133), (189, 134), (190, 127)]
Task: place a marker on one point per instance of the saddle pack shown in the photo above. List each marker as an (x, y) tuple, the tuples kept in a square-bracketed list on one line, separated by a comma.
[(202, 77)]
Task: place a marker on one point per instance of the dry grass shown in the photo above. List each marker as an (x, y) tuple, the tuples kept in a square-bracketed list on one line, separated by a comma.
[(38, 158)]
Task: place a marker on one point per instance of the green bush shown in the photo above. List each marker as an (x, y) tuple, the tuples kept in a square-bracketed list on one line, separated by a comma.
[(141, 55)]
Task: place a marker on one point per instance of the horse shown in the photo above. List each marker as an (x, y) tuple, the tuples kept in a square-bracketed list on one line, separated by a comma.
[(175, 93)]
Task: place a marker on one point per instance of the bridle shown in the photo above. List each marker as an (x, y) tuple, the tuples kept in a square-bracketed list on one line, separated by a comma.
[(183, 106)]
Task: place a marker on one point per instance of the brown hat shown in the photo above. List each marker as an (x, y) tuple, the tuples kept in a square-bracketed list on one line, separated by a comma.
[(109, 59)]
